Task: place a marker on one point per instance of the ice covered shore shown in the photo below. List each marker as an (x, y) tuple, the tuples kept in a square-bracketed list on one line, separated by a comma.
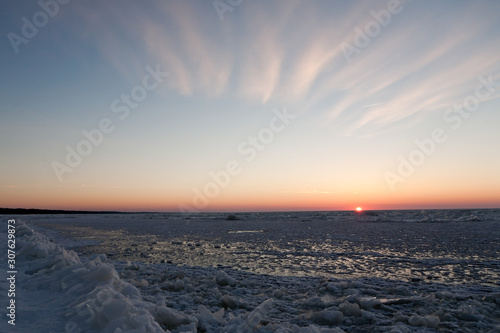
[(98, 295), (86, 296), (90, 296)]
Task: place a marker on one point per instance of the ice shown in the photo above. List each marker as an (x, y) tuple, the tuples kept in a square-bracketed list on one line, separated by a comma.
[(293, 279), (468, 313), (368, 303), (208, 320), (173, 319), (228, 301), (350, 309), (255, 317), (331, 317), (223, 279), (93, 296)]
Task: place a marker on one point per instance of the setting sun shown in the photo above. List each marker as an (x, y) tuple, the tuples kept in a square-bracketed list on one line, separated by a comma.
[(359, 209)]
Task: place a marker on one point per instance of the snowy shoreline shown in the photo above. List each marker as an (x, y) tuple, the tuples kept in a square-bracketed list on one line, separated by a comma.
[(95, 294), (85, 295)]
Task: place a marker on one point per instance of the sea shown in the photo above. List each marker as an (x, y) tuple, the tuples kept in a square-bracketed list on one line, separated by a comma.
[(449, 246), (327, 272)]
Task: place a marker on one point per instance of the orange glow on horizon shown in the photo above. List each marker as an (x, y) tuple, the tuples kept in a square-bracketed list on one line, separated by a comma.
[(137, 199)]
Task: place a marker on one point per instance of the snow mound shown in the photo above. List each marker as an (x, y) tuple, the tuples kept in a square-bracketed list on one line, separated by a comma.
[(96, 299)]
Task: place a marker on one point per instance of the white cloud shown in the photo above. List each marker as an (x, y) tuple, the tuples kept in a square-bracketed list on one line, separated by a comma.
[(289, 52)]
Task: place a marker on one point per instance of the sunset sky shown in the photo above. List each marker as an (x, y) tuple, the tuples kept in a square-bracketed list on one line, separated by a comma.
[(249, 105)]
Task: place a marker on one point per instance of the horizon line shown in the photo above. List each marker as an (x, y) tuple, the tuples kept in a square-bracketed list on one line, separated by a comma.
[(7, 211)]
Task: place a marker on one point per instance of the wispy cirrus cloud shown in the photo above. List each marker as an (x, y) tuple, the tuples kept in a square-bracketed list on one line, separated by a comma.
[(201, 63), (408, 76), (289, 52)]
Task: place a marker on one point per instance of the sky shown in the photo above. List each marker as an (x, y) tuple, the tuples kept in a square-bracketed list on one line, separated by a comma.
[(239, 105)]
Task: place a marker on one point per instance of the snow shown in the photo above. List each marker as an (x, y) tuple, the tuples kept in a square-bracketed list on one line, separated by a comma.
[(126, 292), (89, 296)]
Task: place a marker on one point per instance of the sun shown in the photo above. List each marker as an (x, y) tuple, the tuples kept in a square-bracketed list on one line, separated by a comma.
[(359, 209)]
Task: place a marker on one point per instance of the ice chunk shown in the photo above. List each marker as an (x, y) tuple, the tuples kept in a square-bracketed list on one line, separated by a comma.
[(331, 317), (401, 290), (229, 302), (369, 302), (416, 320), (172, 318), (279, 293), (255, 317), (431, 321), (468, 313), (350, 309), (223, 279), (177, 285), (140, 283), (207, 320)]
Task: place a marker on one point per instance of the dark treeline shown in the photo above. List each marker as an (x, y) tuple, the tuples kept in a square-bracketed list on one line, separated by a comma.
[(31, 211)]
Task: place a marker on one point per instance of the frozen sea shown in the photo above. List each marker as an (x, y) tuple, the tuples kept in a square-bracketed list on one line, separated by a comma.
[(376, 271)]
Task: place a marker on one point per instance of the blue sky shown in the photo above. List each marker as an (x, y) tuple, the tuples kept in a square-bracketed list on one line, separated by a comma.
[(356, 113)]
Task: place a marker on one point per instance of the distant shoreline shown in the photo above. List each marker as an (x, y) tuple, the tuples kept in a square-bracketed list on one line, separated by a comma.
[(33, 211), (37, 211)]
